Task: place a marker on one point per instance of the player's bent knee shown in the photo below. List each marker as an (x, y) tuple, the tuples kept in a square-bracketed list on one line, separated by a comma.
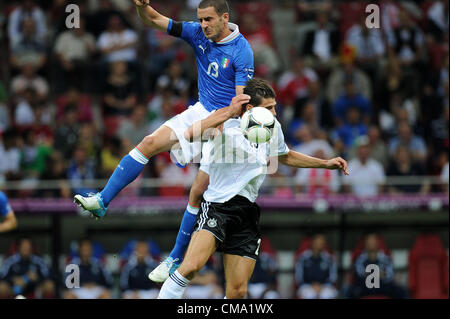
[(237, 290)]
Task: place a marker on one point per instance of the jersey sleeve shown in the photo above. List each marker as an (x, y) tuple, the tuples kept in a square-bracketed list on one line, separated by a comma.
[(5, 207), (244, 65), (184, 30)]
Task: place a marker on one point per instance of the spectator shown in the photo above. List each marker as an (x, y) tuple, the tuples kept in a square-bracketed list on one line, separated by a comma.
[(66, 133), (347, 133), (34, 156), (316, 182), (259, 35), (403, 165), (309, 118), (316, 272), (56, 170), (174, 80), (205, 285), (97, 22), (134, 281), (134, 129), (346, 72), (369, 46), (407, 40), (312, 143), (378, 148), (27, 9), (81, 102), (120, 91), (25, 273), (74, 49), (95, 280), (27, 48), (81, 168), (110, 156), (367, 177), (117, 43), (293, 85), (29, 79), (373, 255), (24, 112), (414, 143), (321, 44), (162, 108), (351, 98), (263, 283), (9, 155)]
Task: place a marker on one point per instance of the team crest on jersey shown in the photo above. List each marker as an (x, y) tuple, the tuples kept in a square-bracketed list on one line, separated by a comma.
[(212, 222), (225, 63)]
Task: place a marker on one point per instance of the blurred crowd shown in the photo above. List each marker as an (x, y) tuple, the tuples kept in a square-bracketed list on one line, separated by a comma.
[(73, 102), (90, 273)]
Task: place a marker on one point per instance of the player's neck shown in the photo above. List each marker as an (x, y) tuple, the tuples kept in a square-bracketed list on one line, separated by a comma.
[(226, 32)]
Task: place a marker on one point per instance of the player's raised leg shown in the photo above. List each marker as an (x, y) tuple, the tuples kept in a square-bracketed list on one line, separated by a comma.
[(201, 247), (238, 271), (128, 170), (171, 263)]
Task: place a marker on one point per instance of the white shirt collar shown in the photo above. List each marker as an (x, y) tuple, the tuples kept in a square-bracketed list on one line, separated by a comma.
[(233, 27)]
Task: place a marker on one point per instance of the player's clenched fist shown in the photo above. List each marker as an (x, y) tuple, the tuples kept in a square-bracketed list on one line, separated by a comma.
[(141, 3), (237, 102)]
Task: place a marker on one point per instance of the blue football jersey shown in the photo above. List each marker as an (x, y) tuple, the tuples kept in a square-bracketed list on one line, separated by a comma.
[(5, 208), (221, 65)]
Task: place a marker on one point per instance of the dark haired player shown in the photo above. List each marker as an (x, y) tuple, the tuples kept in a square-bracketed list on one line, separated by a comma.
[(229, 218), (224, 62)]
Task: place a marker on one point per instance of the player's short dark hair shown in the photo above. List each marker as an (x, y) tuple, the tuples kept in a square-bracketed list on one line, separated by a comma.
[(258, 89), (221, 6)]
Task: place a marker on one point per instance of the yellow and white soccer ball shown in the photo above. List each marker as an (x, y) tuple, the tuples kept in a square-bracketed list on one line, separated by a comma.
[(257, 124)]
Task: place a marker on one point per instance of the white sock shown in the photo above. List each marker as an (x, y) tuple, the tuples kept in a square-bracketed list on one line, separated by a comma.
[(173, 287), (138, 156)]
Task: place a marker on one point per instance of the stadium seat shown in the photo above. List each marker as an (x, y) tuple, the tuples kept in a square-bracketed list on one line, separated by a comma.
[(428, 268)]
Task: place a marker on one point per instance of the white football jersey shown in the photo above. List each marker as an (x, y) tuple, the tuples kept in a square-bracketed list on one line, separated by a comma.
[(237, 166)]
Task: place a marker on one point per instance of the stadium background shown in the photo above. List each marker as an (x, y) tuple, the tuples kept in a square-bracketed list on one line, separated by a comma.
[(68, 114)]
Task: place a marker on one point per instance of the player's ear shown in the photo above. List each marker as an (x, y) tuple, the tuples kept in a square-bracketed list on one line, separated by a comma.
[(226, 16)]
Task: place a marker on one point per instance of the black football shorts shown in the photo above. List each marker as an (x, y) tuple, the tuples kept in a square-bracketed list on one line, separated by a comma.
[(235, 224)]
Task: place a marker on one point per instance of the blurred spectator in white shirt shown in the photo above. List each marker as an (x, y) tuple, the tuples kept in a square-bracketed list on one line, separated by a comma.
[(29, 79), (27, 9), (118, 43), (367, 176), (438, 19)]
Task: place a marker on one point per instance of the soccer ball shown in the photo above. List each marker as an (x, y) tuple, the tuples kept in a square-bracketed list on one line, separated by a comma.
[(257, 124)]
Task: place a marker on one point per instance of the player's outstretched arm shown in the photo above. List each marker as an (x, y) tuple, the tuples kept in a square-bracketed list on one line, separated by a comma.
[(198, 129), (296, 159), (9, 223), (150, 16)]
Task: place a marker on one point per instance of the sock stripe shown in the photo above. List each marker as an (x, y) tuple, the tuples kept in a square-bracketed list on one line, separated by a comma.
[(142, 153), (177, 280), (192, 206)]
